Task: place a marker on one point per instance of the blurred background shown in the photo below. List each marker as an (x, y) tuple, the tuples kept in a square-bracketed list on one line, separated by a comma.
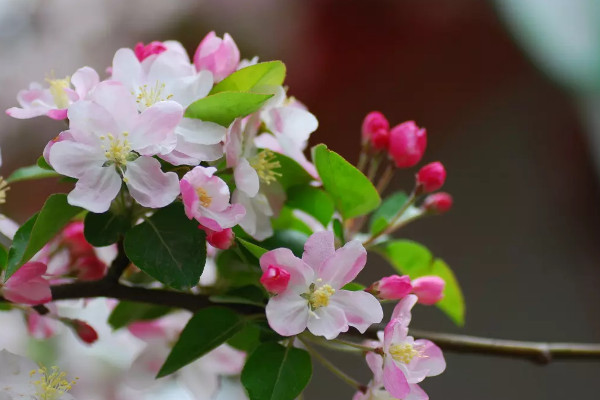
[(509, 93)]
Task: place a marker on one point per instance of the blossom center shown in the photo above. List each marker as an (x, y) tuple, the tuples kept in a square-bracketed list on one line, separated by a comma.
[(320, 297), (116, 151), (203, 197), (57, 90), (150, 95), (52, 383), (3, 189), (403, 353), (264, 165)]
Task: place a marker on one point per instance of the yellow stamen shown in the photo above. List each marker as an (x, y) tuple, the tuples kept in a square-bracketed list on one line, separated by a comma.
[(52, 383), (264, 165), (203, 197), (57, 90), (320, 297), (403, 353), (117, 151), (3, 189), (148, 96)]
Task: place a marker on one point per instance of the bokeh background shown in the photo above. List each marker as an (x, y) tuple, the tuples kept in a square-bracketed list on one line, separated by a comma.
[(508, 91)]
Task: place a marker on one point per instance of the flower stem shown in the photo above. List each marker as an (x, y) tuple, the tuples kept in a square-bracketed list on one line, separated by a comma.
[(392, 224), (354, 345)]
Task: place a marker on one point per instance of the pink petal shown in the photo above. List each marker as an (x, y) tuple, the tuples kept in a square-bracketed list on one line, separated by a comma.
[(75, 159), (189, 197), (402, 309), (149, 185), (394, 380), (154, 130), (318, 248), (201, 132), (300, 273), (27, 272), (362, 309), (328, 321), (188, 89), (225, 360), (416, 393), (375, 363), (246, 178), (343, 266), (89, 121), (287, 313), (26, 113), (228, 218), (295, 123), (95, 189), (118, 101), (84, 80), (431, 358), (57, 113), (27, 286), (126, 68), (395, 332)]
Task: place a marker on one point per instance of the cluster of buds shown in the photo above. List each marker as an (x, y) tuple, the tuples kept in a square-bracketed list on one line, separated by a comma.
[(428, 289)]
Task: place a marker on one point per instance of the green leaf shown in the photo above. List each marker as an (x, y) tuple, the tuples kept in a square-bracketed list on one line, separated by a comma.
[(41, 162), (38, 230), (206, 330), (127, 312), (256, 250), (252, 78), (235, 272), (388, 210), (105, 229), (3, 257), (286, 220), (414, 260), (169, 247), (312, 201), (250, 294), (353, 287), (338, 230), (274, 372), (292, 173), (222, 108), (354, 195), (247, 339), (289, 239), (31, 172)]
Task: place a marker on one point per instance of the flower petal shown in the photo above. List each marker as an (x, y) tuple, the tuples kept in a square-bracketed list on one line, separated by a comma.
[(84, 79), (153, 132), (188, 89), (88, 121), (300, 273), (118, 101), (228, 218), (431, 358), (201, 132), (287, 313), (74, 159), (402, 311), (327, 321), (246, 178), (95, 189), (126, 68), (394, 380), (149, 185), (318, 248), (343, 266), (362, 309)]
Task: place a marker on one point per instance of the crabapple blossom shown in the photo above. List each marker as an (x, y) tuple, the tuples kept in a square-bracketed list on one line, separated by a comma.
[(431, 177), (54, 100), (314, 298), (206, 198), (394, 287), (143, 51), (219, 56), (376, 130), (257, 220), (111, 143), (275, 279), (429, 289), (407, 144), (27, 285), (437, 203), (221, 240)]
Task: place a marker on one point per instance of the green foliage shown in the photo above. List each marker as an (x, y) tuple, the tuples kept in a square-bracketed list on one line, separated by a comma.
[(292, 173), (388, 210), (289, 239), (414, 260), (253, 78), (233, 271), (312, 201), (206, 330), (254, 249), (169, 247), (31, 172), (352, 192), (338, 230), (3, 257), (252, 295), (39, 230), (274, 372), (41, 162), (353, 287), (127, 312), (286, 220), (106, 228), (222, 108)]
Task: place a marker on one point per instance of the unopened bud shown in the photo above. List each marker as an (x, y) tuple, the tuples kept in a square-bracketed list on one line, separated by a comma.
[(429, 289), (220, 56), (144, 51), (431, 177), (84, 331), (221, 240), (438, 203), (393, 287), (376, 130), (275, 279), (407, 144)]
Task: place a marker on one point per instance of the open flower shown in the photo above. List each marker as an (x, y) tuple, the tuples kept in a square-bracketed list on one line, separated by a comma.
[(313, 298), (54, 100), (206, 198), (111, 143)]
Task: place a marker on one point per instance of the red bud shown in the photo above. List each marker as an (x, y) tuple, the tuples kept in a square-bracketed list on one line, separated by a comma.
[(431, 177), (407, 144), (438, 203)]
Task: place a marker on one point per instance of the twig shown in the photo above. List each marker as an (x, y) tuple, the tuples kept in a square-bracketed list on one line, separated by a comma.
[(119, 264)]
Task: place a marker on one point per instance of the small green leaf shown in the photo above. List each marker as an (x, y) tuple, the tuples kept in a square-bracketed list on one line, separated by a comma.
[(169, 247), (235, 272), (3, 257), (292, 173), (251, 295), (222, 108), (252, 78), (338, 230), (41, 162), (312, 201), (286, 220), (353, 287), (256, 250), (289, 239), (414, 260), (38, 230), (105, 229), (354, 195), (31, 172), (247, 339), (127, 312), (207, 329), (274, 372), (388, 210)]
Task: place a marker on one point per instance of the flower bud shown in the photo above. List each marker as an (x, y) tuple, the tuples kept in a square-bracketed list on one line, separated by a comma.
[(27, 285), (84, 331), (393, 287), (221, 240), (74, 239), (407, 144), (429, 289), (144, 51), (220, 56), (437, 203), (431, 177), (376, 130), (89, 268), (275, 279)]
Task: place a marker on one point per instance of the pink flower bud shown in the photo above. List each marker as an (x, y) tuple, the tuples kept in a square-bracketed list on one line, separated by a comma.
[(429, 289), (27, 286), (90, 268), (407, 144), (376, 130), (220, 56), (144, 51), (84, 331), (431, 177), (221, 240), (275, 279), (394, 287), (74, 239), (438, 203)]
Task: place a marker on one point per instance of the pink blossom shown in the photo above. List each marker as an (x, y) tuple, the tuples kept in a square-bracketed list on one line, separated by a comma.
[(143, 51), (407, 144), (314, 298), (394, 287), (221, 240), (431, 177), (376, 130), (220, 56), (429, 289), (275, 279), (438, 203), (206, 198), (111, 143), (28, 286), (54, 100)]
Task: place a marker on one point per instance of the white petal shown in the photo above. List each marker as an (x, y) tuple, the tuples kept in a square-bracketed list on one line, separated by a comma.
[(74, 159), (84, 79), (287, 314), (246, 178), (149, 185), (327, 321), (200, 132), (126, 69), (96, 189)]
